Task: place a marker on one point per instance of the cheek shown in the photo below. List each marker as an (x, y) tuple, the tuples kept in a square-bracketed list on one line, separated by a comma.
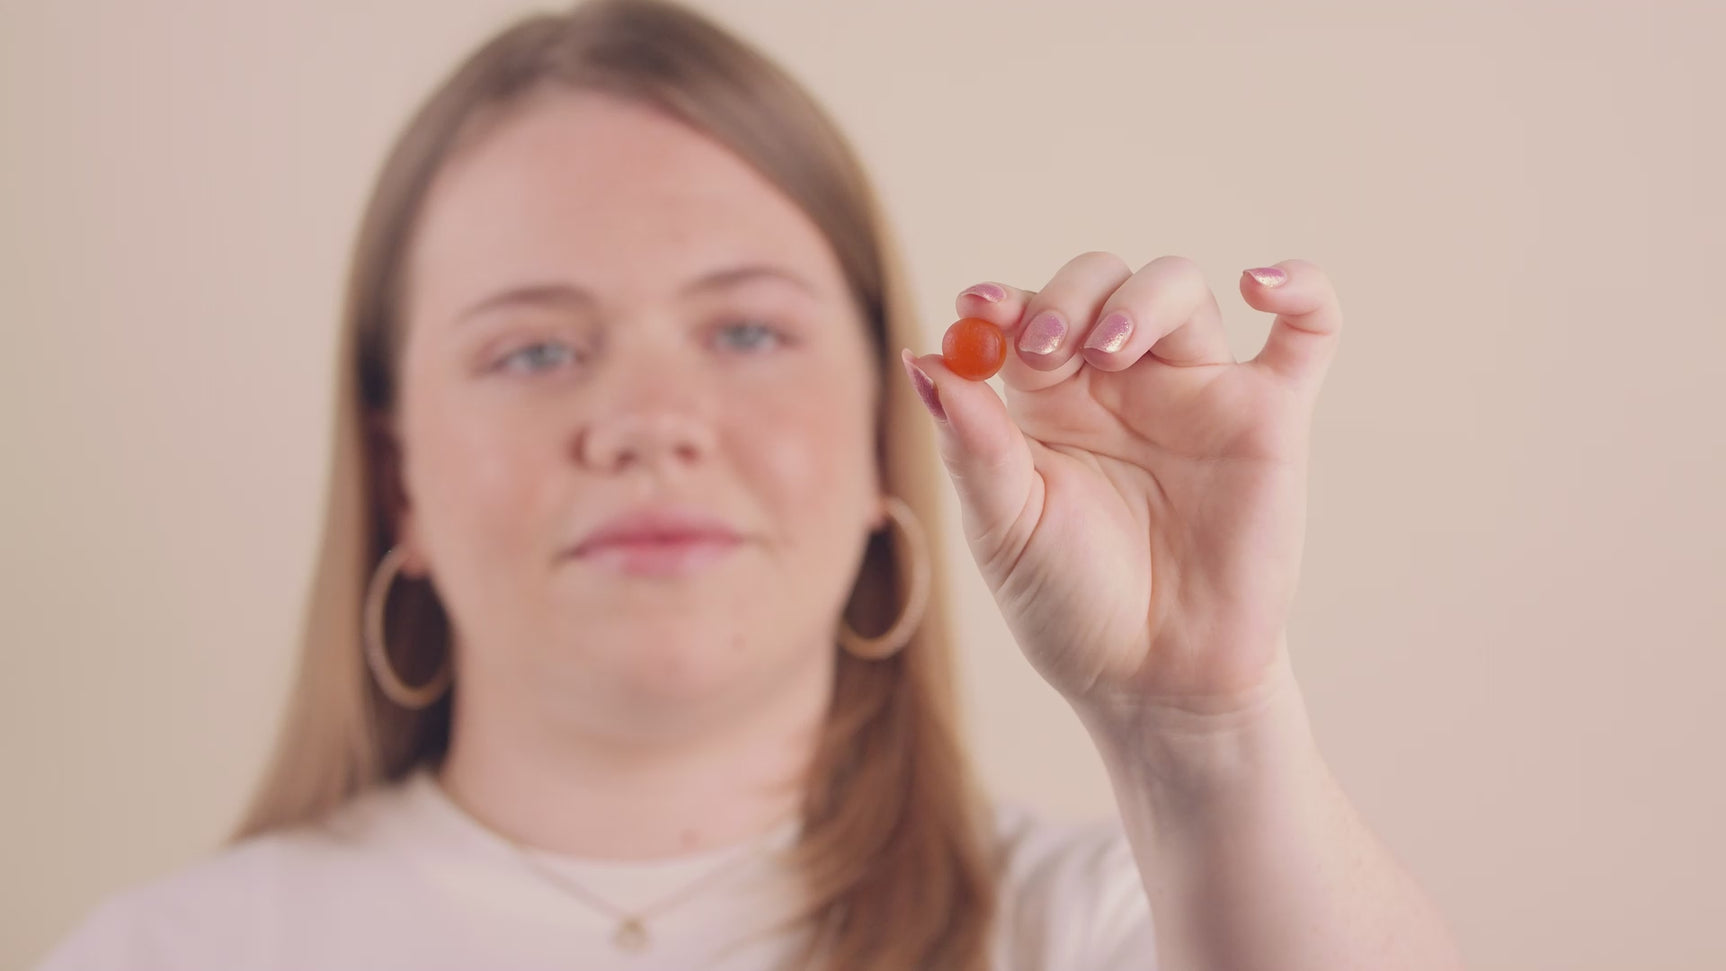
[(479, 479), (812, 458)]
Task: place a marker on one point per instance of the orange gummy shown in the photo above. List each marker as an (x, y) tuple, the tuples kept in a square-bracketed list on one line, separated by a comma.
[(974, 349)]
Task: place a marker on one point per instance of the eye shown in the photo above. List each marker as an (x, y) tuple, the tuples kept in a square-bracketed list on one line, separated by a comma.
[(536, 357), (750, 336)]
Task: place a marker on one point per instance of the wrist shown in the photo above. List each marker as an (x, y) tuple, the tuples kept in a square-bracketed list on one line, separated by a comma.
[(1198, 751)]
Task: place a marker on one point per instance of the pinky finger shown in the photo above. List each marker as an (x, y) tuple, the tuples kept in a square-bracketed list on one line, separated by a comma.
[(1303, 339)]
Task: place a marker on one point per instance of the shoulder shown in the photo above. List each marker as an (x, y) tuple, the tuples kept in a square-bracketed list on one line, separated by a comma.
[(207, 910), (233, 906), (1070, 895)]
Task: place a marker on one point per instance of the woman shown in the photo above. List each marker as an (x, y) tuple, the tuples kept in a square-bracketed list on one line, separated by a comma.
[(626, 649)]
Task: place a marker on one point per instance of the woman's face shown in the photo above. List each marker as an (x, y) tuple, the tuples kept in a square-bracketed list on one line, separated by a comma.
[(608, 313)]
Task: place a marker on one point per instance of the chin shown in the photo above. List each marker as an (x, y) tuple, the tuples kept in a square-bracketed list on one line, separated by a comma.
[(677, 676), (671, 664), (676, 664)]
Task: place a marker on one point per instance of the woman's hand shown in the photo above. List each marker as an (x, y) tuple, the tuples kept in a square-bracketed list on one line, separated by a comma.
[(1138, 508)]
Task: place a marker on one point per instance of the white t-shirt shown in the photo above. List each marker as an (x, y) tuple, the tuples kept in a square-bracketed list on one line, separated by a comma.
[(401, 877)]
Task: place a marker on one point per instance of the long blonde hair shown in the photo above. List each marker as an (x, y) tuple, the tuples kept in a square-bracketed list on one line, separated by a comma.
[(895, 852)]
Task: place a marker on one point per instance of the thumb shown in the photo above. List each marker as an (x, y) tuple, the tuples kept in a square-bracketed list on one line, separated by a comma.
[(985, 453)]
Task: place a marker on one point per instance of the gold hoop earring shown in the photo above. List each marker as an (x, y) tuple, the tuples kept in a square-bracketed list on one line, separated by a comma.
[(377, 658), (916, 548)]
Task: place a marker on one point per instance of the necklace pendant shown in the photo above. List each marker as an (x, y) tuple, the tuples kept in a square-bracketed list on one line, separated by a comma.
[(631, 935)]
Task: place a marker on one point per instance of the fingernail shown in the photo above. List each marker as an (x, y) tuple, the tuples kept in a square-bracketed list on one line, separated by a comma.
[(1043, 334), (1111, 335), (1268, 276), (988, 291), (925, 387)]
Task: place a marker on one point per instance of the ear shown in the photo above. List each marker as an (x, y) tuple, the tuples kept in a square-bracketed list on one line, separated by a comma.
[(389, 486)]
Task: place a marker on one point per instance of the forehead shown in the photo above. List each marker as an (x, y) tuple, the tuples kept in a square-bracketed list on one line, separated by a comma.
[(581, 186)]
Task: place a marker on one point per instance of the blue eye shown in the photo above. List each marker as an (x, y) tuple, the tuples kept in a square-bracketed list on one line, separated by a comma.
[(529, 353), (755, 335)]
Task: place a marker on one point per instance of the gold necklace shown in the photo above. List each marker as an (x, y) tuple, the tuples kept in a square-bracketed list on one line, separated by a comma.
[(631, 933)]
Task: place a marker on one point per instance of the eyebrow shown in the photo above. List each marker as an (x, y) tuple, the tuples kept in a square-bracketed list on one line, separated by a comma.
[(570, 295)]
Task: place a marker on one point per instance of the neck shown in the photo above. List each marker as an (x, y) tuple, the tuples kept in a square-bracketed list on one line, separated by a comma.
[(600, 797)]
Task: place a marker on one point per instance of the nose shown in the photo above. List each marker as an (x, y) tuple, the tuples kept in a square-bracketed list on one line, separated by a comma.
[(657, 439)]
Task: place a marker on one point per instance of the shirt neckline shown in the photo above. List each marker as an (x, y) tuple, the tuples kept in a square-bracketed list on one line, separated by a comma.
[(421, 789)]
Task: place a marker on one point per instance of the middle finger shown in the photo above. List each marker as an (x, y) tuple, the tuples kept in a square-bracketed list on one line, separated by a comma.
[(1056, 318)]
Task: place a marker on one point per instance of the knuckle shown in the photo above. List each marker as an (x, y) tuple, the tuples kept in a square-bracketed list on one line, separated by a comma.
[(1176, 264), (1102, 260)]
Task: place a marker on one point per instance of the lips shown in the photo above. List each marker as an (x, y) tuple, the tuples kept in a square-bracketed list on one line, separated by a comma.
[(658, 541)]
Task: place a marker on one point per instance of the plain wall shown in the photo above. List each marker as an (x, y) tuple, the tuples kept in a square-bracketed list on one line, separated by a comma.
[(1511, 626)]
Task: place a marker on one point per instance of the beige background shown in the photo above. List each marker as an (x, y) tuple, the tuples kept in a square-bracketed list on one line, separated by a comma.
[(1511, 620)]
